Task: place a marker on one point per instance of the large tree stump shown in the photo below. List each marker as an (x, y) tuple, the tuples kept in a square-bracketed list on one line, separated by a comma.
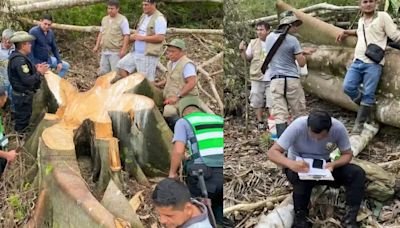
[(100, 123)]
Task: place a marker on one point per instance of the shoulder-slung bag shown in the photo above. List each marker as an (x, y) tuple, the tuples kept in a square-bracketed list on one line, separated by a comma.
[(373, 52)]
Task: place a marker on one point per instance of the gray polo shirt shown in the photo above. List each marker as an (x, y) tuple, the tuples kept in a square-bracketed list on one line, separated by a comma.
[(183, 132), (200, 221), (296, 139), (283, 62)]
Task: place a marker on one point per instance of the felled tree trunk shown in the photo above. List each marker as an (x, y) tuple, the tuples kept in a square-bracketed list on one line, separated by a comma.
[(100, 123)]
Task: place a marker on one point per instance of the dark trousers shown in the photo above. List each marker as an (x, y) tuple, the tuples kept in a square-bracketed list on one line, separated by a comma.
[(351, 176), (23, 110), (214, 179)]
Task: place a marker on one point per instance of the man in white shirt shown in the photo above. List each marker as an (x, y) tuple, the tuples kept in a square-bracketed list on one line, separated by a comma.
[(373, 28), (113, 38), (148, 44), (255, 52)]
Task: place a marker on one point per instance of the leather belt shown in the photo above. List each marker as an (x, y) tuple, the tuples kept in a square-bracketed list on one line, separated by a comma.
[(282, 76)]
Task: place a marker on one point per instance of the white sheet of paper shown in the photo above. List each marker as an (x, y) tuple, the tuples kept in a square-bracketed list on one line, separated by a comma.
[(315, 173)]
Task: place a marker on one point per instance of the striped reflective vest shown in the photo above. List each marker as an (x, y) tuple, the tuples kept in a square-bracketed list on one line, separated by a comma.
[(209, 136)]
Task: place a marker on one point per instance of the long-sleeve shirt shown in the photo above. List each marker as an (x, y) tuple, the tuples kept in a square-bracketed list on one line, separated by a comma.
[(377, 31), (43, 46), (22, 73)]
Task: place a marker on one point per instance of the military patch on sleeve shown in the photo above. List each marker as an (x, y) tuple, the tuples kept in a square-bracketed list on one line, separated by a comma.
[(25, 68)]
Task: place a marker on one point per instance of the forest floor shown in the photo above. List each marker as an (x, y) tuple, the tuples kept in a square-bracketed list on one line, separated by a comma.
[(17, 198), (250, 177)]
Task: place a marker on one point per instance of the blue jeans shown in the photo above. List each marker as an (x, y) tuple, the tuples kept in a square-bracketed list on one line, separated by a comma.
[(366, 73), (53, 64)]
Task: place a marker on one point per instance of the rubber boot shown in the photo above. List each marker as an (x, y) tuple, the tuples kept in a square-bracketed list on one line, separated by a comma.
[(349, 220), (300, 219), (171, 121), (280, 128), (363, 115)]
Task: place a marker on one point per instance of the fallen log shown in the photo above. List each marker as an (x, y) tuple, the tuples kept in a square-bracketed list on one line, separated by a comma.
[(267, 203), (47, 5), (314, 30), (91, 29)]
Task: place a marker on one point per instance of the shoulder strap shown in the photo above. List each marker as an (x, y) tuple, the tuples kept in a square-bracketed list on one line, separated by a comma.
[(273, 50), (365, 38)]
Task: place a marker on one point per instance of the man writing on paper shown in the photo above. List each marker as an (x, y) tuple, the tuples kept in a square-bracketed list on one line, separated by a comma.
[(308, 137)]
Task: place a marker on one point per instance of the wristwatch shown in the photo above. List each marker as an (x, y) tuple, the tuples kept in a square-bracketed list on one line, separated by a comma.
[(179, 95)]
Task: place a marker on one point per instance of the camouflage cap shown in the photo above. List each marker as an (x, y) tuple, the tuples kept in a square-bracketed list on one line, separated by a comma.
[(188, 101), (21, 36), (289, 18), (179, 43)]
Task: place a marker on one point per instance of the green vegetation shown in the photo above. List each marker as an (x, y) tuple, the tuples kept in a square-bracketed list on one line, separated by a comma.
[(183, 15)]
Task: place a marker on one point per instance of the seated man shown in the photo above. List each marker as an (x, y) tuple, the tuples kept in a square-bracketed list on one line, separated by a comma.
[(307, 137), (175, 207), (45, 44), (203, 134), (180, 80)]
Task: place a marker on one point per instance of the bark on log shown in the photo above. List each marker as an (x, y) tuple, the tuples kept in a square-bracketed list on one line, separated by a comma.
[(334, 60), (329, 87), (314, 30), (316, 7), (267, 203), (47, 5), (281, 217), (92, 29)]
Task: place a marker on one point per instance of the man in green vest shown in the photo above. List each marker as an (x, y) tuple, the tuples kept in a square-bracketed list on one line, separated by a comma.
[(260, 97), (148, 44), (180, 80), (203, 134), (4, 155), (113, 38)]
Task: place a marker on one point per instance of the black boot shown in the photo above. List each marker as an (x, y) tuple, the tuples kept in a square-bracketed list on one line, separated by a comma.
[(364, 114), (349, 220), (280, 128), (300, 219), (171, 121)]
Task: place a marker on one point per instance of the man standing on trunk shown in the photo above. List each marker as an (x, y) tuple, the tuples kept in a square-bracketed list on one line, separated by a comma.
[(113, 38), (260, 97), (148, 44), (286, 89), (373, 28)]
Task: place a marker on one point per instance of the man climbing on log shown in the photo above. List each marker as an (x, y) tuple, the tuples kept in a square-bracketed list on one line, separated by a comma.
[(287, 93), (24, 77), (176, 208), (5, 156), (373, 30), (180, 80), (308, 137), (6, 48), (202, 133), (45, 44), (113, 38), (260, 98), (148, 44)]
